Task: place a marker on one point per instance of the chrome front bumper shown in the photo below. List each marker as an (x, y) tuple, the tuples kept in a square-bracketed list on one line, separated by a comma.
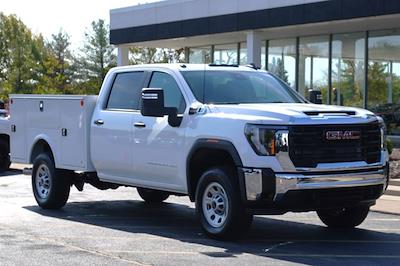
[(285, 182)]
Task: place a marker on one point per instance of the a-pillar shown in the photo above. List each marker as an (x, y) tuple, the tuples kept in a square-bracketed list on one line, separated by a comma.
[(123, 55), (254, 48)]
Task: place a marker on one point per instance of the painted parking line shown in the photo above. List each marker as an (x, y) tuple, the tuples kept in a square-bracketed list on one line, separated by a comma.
[(330, 255), (264, 254), (161, 238)]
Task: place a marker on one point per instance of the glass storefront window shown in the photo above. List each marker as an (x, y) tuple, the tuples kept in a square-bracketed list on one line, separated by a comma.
[(282, 59), (263, 50), (226, 54), (243, 53), (200, 55), (384, 77), (314, 65), (348, 64)]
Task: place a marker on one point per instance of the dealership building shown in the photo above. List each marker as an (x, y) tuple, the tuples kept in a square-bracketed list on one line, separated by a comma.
[(347, 49)]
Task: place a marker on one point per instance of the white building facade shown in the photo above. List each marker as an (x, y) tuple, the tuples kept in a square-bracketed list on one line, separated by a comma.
[(348, 49)]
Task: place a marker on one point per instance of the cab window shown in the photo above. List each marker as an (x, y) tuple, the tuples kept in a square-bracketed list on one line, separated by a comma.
[(172, 94), (126, 91)]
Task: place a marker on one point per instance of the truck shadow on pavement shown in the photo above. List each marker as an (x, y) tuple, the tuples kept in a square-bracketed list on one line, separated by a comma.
[(11, 172), (297, 241)]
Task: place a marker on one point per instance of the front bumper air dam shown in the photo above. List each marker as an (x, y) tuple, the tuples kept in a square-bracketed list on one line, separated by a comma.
[(266, 188)]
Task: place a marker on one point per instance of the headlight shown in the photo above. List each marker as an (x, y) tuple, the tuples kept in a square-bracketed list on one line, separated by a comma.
[(383, 133), (262, 139)]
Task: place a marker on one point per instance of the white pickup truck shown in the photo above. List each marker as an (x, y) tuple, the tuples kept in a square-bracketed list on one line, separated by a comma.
[(236, 140)]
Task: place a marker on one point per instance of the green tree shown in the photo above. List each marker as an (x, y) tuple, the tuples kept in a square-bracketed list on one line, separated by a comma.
[(97, 58), (146, 55), (60, 61), (149, 55), (377, 83), (351, 81), (20, 56), (43, 73), (278, 68)]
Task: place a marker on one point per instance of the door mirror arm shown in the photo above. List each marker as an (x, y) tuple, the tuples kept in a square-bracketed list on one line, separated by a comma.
[(174, 119)]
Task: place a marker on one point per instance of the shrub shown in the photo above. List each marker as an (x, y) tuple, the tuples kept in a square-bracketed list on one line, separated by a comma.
[(389, 145)]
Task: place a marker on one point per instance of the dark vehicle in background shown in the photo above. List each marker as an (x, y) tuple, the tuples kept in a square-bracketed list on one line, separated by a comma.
[(390, 112)]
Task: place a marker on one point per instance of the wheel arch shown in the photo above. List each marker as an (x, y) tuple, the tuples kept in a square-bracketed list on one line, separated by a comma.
[(206, 153), (42, 144)]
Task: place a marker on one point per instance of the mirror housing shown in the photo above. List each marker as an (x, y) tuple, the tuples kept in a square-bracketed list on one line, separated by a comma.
[(153, 105), (315, 96), (153, 102)]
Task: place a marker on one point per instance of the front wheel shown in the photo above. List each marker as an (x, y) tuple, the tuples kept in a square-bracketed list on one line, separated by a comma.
[(50, 185), (344, 218), (218, 205), (152, 195)]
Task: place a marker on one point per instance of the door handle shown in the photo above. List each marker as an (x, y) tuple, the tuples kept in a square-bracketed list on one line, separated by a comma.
[(140, 124), (99, 122)]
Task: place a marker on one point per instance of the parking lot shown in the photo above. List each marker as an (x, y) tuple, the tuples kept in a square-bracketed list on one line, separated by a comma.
[(117, 228)]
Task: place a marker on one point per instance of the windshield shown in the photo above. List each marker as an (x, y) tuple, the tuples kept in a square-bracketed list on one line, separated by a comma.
[(235, 87)]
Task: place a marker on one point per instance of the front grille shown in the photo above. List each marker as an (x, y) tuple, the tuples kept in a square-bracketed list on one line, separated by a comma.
[(308, 145)]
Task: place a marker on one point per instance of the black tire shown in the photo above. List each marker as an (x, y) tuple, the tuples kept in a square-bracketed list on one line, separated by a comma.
[(234, 221), (152, 195), (57, 188), (345, 218), (4, 156)]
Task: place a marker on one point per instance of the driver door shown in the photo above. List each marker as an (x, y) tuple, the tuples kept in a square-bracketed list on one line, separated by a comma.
[(158, 157)]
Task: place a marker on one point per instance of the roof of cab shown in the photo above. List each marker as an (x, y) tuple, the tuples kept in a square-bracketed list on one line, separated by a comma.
[(189, 67)]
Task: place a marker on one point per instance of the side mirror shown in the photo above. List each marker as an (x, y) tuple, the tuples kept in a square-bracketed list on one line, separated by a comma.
[(315, 96), (153, 102), (153, 105)]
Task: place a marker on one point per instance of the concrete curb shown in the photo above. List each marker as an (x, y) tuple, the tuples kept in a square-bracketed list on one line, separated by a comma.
[(387, 206)]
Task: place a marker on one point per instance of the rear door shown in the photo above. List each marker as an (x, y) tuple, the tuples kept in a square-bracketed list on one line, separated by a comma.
[(112, 129)]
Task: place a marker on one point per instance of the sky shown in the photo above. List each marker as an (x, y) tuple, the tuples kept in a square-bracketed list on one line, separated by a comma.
[(73, 16)]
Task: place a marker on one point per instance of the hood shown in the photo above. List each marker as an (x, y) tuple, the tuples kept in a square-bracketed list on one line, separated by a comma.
[(294, 113)]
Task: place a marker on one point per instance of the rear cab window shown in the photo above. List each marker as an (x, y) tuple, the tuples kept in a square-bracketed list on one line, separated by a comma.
[(126, 91)]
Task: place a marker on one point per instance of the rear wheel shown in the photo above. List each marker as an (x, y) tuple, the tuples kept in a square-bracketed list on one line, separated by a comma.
[(152, 195), (344, 218), (219, 206), (50, 185)]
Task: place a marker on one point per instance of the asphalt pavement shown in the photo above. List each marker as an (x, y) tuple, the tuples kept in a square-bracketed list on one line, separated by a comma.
[(115, 227)]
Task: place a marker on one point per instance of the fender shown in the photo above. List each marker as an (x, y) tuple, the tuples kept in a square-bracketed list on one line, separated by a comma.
[(49, 142), (216, 144)]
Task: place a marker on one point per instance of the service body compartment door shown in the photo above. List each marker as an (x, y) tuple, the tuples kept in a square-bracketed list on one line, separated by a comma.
[(72, 127), (18, 134), (62, 121)]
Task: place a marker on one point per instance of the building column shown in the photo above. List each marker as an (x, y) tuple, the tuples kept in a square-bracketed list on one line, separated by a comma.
[(123, 55), (301, 76), (254, 48), (187, 55)]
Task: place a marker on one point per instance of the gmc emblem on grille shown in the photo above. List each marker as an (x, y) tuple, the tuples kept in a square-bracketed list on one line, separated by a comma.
[(342, 135)]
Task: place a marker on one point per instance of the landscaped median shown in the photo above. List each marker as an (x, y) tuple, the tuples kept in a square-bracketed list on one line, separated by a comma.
[(390, 202)]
